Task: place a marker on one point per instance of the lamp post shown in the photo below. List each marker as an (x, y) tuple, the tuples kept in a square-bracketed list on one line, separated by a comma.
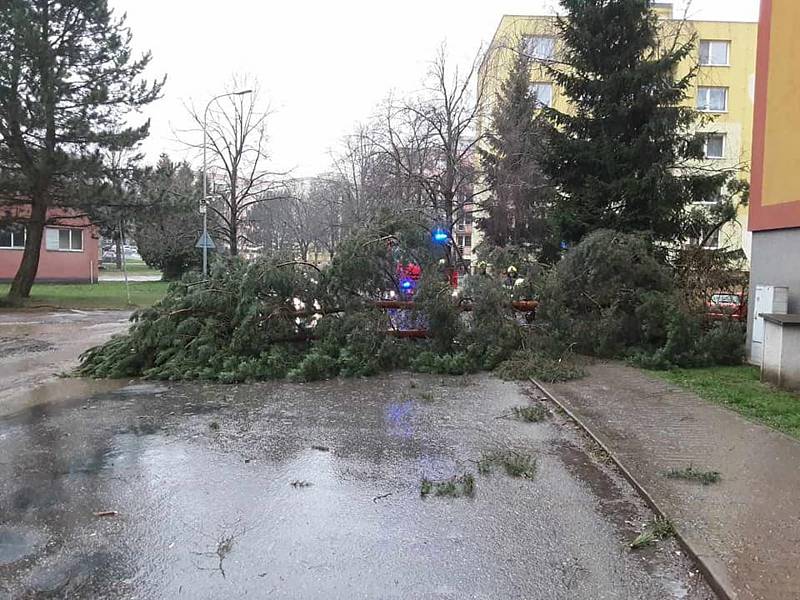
[(204, 207)]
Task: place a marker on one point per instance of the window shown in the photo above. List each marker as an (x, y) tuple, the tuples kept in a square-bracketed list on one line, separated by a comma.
[(712, 199), (712, 243), (541, 47), (65, 240), (465, 241), (715, 145), (712, 99), (714, 53), (12, 237), (543, 93)]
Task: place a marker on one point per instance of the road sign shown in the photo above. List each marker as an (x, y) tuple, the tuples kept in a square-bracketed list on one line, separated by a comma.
[(205, 241)]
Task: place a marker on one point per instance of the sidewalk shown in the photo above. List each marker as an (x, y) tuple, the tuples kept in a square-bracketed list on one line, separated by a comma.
[(132, 277), (746, 528)]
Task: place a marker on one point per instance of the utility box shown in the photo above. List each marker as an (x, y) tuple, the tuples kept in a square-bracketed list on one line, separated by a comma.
[(780, 364), (769, 300)]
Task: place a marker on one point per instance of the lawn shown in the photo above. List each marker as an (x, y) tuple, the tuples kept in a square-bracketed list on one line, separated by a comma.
[(740, 389), (104, 295)]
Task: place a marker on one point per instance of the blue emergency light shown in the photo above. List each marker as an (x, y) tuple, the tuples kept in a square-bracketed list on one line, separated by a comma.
[(440, 236)]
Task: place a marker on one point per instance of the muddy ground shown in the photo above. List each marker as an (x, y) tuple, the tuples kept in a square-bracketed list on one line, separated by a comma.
[(313, 491)]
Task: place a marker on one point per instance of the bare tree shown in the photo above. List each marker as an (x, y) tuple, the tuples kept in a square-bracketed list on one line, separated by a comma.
[(431, 140), (304, 225), (238, 161), (367, 179)]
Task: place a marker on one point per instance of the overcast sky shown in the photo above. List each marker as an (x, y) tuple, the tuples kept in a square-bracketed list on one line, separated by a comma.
[(322, 65)]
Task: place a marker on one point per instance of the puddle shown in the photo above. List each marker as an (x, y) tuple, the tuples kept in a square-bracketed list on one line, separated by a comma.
[(57, 392), (18, 543), (15, 346), (142, 389)]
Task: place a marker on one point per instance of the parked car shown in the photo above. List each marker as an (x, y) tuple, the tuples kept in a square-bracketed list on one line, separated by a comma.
[(727, 306)]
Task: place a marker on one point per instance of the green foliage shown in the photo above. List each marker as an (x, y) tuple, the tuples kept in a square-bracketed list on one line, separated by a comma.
[(224, 330), (687, 346), (442, 364), (656, 530), (434, 300), (493, 332), (455, 487), (621, 157), (167, 222), (315, 365), (272, 318), (533, 413), (515, 210), (592, 300), (613, 296), (698, 475), (724, 344), (525, 364), (515, 464)]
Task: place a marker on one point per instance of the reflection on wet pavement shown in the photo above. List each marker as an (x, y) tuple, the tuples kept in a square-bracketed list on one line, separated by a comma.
[(202, 480), (36, 346)]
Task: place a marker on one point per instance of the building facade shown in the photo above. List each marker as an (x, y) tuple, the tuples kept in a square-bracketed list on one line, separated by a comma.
[(724, 87), (775, 193), (70, 251)]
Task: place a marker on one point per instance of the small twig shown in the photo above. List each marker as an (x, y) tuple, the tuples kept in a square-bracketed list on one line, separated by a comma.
[(381, 497)]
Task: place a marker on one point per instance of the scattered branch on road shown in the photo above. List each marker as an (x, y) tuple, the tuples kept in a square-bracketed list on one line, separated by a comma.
[(692, 474), (656, 530), (515, 464), (455, 487)]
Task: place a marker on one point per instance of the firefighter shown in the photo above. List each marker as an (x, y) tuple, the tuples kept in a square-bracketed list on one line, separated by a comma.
[(511, 277)]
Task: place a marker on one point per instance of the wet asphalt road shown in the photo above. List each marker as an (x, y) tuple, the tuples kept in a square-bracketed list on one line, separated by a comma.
[(201, 478), (35, 346)]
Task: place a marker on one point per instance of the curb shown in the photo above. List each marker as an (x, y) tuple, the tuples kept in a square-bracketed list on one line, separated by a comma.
[(716, 580)]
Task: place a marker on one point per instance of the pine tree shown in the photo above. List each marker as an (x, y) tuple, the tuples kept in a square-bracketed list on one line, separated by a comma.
[(515, 210), (68, 81), (622, 155), (168, 222)]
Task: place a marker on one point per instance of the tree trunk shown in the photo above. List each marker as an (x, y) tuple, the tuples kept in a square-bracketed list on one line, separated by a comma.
[(172, 270), (118, 249), (233, 239), (26, 274)]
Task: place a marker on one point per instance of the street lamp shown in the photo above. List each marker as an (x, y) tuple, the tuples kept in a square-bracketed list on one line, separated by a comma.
[(204, 208)]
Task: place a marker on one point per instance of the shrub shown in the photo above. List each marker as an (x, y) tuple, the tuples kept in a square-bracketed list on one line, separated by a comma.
[(315, 365), (493, 333), (593, 297), (434, 300), (442, 364), (688, 347), (724, 344)]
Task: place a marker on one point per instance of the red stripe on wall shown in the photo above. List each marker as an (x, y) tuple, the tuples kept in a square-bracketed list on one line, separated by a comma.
[(776, 216)]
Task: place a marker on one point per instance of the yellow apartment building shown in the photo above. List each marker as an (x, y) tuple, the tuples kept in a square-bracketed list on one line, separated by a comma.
[(724, 88)]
